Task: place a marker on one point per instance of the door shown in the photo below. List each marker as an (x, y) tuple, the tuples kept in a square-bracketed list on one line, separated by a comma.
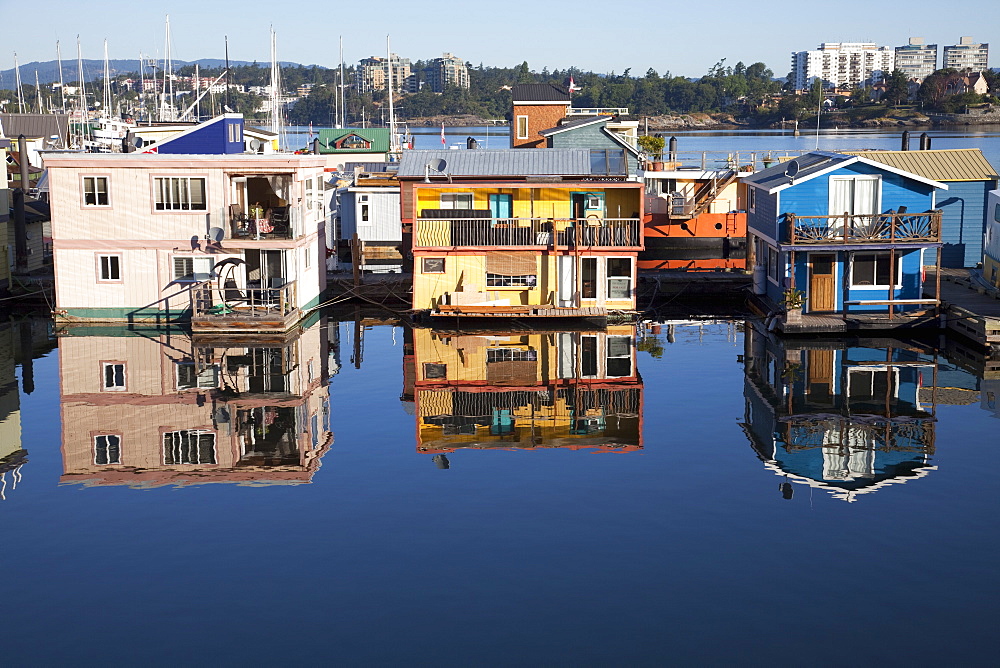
[(501, 206), (822, 282), (567, 280)]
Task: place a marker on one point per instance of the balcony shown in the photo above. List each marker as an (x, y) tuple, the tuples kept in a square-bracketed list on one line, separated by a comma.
[(234, 309), (533, 233), (879, 228), (257, 225)]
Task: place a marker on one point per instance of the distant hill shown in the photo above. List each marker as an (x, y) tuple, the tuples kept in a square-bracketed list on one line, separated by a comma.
[(48, 72)]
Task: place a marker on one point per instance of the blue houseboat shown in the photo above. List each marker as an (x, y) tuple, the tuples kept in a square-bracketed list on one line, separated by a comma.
[(841, 239)]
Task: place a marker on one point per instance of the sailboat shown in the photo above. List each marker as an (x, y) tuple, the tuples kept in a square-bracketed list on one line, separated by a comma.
[(108, 130)]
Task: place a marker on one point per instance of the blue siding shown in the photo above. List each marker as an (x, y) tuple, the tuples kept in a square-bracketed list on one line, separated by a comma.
[(962, 223), (592, 136), (212, 138), (764, 217)]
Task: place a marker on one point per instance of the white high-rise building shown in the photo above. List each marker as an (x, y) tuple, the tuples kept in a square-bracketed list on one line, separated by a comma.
[(967, 55), (842, 65), (917, 60)]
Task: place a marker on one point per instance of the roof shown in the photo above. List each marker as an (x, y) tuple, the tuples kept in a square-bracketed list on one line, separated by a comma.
[(575, 123), (502, 162), (817, 163), (951, 164), (540, 93), (378, 137), (34, 125)]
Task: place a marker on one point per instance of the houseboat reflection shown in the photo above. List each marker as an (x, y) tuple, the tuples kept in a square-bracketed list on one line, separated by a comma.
[(576, 390), (163, 407), (845, 418)]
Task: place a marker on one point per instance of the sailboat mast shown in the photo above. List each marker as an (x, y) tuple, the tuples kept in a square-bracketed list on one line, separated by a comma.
[(38, 93), (170, 71), (107, 82), (62, 86), (393, 144), (84, 120), (17, 82), (275, 88), (340, 93)]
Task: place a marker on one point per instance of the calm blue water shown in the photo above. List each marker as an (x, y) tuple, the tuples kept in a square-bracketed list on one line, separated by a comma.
[(677, 546)]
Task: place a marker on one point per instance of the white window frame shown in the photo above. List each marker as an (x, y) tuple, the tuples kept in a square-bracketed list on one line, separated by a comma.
[(364, 215), (197, 262), (522, 127), (107, 446), (101, 266), (899, 272), (608, 356), (188, 434), (93, 178), (608, 278), (115, 386), (877, 207), (451, 200), (181, 206), (855, 372), (207, 379)]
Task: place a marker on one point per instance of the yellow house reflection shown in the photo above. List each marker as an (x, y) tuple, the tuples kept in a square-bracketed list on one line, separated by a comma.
[(158, 407), (577, 390)]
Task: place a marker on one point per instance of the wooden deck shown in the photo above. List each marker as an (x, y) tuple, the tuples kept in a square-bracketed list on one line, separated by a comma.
[(971, 310), (246, 322)]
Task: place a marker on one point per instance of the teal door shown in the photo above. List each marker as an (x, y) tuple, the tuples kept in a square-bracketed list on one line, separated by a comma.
[(501, 206)]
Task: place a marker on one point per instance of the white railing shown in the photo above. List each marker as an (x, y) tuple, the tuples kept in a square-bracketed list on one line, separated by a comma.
[(540, 232)]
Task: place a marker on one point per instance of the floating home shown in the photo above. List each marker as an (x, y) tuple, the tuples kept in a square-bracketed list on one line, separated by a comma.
[(521, 232), (846, 419), (991, 246), (225, 240), (154, 407), (841, 240), (527, 390)]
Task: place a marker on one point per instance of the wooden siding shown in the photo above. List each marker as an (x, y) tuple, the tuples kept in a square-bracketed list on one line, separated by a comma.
[(383, 213)]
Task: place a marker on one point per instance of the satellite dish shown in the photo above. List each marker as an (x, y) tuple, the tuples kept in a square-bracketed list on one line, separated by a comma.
[(792, 169), (439, 165), (137, 141), (255, 145), (216, 234)]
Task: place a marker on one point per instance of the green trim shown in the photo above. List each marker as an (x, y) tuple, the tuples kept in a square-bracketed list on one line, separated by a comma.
[(126, 315), (119, 330)]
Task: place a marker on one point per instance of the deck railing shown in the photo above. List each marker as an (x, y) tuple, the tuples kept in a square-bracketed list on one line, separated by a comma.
[(275, 226), (896, 228), (538, 232), (209, 300)]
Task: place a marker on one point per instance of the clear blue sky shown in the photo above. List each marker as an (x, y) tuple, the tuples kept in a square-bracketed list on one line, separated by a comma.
[(683, 38)]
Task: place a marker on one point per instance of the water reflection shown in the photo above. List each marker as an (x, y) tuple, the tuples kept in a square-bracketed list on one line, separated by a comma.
[(849, 418), (163, 407), (504, 390)]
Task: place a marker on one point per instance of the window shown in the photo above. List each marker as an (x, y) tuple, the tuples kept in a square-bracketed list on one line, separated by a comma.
[(352, 142), (619, 278), (114, 376), (608, 161), (456, 201), (188, 378), (854, 195), (510, 355), (179, 194), (109, 267), (511, 269), (873, 270), (751, 199), (588, 278), (95, 191), (619, 356), (364, 214), (522, 127), (435, 371), (432, 265), (107, 449), (772, 264), (193, 268), (188, 446)]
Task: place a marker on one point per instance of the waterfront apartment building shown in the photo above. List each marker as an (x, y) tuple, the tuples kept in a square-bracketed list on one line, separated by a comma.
[(966, 55), (372, 72), (842, 65), (916, 60), (448, 70)]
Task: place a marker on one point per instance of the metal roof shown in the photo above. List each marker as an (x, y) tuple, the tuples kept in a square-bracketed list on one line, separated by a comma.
[(777, 178), (34, 126), (540, 93), (951, 164), (377, 137), (501, 162)]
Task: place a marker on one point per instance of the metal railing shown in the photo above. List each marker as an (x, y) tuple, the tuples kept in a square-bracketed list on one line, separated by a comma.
[(538, 232), (597, 111), (741, 161), (210, 301), (902, 228), (275, 226)]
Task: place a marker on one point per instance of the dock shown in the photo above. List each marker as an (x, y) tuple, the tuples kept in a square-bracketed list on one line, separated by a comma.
[(970, 309)]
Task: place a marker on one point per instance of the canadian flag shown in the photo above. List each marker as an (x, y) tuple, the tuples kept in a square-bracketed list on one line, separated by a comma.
[(572, 86), (443, 142)]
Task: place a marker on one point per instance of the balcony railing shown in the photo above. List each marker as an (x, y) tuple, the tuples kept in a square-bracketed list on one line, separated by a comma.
[(209, 301), (537, 232), (274, 224), (894, 228)]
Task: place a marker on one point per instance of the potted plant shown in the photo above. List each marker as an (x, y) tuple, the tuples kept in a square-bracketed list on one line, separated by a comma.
[(792, 301), (652, 147)]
